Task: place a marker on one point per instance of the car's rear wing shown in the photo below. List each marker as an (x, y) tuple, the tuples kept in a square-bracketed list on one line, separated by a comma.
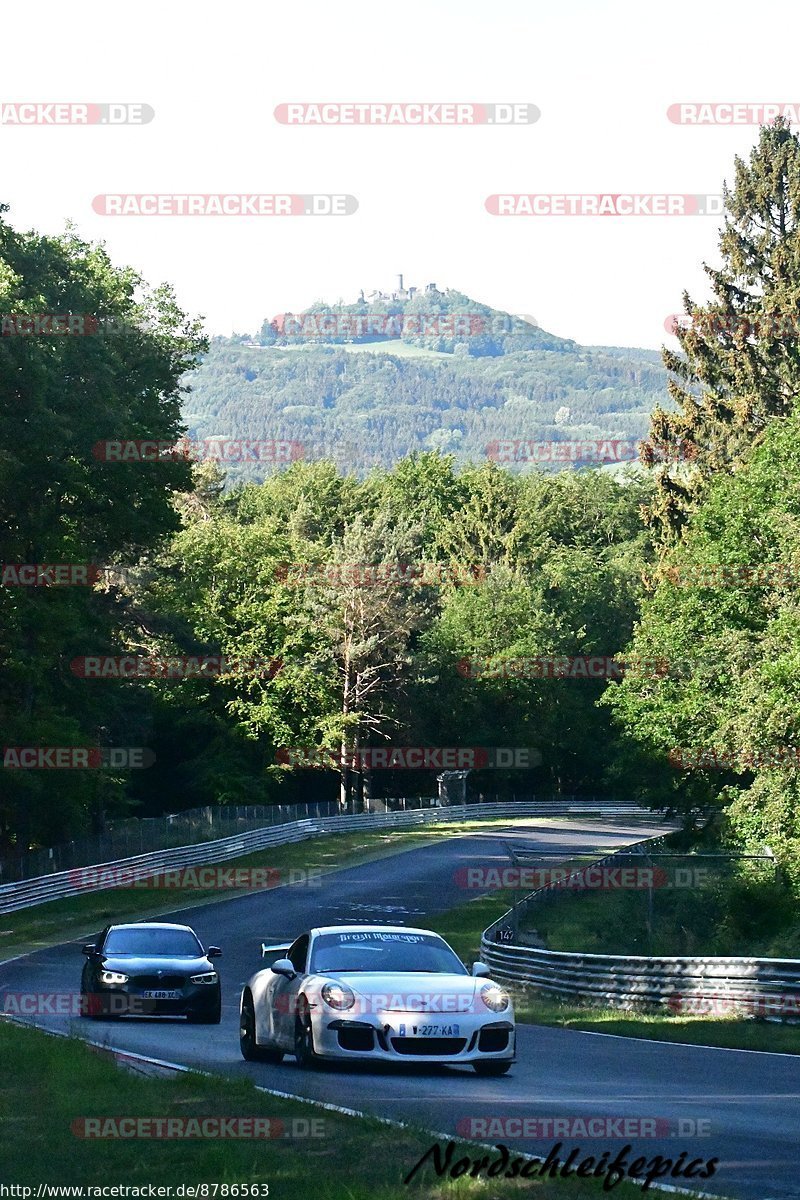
[(274, 952)]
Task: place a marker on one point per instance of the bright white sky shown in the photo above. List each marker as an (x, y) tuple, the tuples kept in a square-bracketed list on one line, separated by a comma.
[(603, 73)]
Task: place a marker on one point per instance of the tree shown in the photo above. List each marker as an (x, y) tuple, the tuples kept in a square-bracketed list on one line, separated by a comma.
[(725, 614), (368, 615), (740, 366), (61, 394)]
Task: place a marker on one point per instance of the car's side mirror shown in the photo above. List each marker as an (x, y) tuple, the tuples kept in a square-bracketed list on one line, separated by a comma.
[(213, 952), (283, 966), (480, 970), (89, 949)]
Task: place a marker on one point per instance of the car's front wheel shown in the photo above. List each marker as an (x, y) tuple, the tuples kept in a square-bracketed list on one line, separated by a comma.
[(491, 1068), (304, 1039), (250, 1049)]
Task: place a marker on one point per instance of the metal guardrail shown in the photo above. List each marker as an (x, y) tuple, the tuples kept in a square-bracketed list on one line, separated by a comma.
[(126, 837), (143, 835), (767, 987), (78, 881)]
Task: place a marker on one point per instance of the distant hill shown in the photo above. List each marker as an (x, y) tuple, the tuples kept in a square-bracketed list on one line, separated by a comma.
[(366, 384)]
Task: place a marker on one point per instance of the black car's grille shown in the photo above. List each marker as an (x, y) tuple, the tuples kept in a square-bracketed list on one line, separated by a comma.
[(158, 981), (428, 1045)]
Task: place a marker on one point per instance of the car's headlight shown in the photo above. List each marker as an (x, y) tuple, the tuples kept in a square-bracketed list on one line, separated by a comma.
[(338, 995), (494, 997), (113, 977), (207, 977)]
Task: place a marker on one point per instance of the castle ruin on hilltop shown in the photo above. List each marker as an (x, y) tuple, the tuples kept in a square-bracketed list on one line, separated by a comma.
[(400, 292)]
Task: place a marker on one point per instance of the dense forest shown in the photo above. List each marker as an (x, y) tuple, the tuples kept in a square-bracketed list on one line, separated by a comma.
[(370, 402), (416, 599)]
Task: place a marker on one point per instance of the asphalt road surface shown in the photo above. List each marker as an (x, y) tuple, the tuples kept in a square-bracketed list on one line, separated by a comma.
[(740, 1106)]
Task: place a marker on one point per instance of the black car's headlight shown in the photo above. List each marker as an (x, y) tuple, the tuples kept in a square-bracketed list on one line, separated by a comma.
[(494, 997), (113, 977), (206, 977), (338, 996)]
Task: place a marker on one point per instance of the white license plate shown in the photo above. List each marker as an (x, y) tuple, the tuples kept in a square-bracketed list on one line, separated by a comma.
[(429, 1030), (162, 995)]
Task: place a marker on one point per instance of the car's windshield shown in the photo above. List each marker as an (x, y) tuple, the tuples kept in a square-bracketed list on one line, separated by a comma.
[(176, 943), (376, 950)]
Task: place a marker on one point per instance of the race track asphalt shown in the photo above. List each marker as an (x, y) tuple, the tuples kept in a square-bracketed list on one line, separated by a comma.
[(740, 1106)]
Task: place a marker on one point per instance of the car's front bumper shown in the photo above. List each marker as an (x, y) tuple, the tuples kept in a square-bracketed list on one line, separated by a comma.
[(129, 1000), (415, 1037)]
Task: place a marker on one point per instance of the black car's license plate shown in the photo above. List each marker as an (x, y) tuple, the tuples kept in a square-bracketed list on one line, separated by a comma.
[(161, 995)]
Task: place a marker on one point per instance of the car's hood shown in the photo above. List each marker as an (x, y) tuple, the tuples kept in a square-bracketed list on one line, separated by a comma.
[(132, 965), (412, 991)]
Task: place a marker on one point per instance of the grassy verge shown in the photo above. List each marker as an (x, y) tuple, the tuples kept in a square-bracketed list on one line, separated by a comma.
[(462, 927), (58, 920), (720, 914), (357, 1158), (704, 901), (729, 1032)]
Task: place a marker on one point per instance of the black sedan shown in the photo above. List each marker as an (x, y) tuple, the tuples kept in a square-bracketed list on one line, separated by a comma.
[(151, 969)]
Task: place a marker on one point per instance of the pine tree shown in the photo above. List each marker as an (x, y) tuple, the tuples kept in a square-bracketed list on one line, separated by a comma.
[(740, 366)]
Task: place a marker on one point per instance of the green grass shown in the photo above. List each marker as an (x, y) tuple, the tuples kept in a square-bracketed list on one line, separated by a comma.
[(355, 1158), (723, 914), (59, 920), (734, 1034), (462, 927)]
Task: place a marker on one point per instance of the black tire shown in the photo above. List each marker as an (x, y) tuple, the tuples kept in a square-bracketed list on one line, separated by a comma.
[(304, 1038), (250, 1049), (491, 1068)]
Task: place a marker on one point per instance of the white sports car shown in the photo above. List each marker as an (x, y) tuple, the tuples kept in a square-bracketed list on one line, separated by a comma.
[(375, 992)]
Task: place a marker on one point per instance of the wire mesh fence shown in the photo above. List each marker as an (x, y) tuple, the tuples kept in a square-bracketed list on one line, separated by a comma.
[(135, 835)]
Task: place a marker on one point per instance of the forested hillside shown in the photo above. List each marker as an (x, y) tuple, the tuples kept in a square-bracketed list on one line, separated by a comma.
[(369, 404), (637, 634)]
